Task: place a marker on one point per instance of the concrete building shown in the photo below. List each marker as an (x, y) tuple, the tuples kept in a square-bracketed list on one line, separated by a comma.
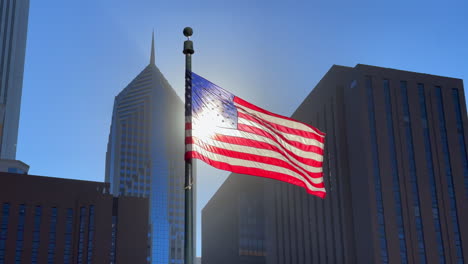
[(395, 169), (13, 32), (52, 220), (234, 222), (13, 166), (145, 157)]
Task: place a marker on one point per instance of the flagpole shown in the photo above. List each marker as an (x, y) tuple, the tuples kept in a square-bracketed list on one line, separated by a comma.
[(188, 239)]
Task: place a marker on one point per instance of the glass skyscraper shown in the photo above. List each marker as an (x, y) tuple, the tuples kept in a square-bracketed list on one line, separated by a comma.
[(145, 157), (13, 31)]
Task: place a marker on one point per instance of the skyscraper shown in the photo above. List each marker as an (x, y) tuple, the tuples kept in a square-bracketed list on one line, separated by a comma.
[(145, 157), (13, 29), (395, 169)]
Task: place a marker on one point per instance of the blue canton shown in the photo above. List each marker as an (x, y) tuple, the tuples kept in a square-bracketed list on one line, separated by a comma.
[(209, 98)]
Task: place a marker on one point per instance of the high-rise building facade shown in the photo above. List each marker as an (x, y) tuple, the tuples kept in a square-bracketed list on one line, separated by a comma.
[(234, 222), (53, 220), (145, 157), (395, 169), (13, 32)]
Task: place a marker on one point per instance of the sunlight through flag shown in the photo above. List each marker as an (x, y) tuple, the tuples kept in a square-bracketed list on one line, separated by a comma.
[(234, 135)]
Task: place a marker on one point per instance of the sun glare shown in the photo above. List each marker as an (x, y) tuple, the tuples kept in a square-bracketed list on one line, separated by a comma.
[(205, 124)]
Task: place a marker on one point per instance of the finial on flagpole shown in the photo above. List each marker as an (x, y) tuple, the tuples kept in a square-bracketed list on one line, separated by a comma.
[(188, 44), (188, 31)]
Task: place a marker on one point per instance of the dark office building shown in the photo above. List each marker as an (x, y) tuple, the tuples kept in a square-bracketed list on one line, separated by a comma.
[(52, 220), (395, 169), (233, 222)]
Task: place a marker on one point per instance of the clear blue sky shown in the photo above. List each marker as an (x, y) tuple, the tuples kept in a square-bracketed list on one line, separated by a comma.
[(80, 54)]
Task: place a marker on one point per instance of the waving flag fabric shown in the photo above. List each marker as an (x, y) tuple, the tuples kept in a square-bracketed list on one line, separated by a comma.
[(234, 135)]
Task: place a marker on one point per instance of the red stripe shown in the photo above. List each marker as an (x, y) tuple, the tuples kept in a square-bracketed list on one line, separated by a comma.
[(284, 129), (253, 171), (262, 145), (262, 159), (241, 101), (261, 132), (188, 126), (258, 159)]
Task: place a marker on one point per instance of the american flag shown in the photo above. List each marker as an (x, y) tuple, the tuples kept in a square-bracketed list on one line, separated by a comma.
[(232, 134)]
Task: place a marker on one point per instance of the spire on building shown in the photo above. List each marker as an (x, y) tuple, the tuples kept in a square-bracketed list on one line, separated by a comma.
[(152, 50)]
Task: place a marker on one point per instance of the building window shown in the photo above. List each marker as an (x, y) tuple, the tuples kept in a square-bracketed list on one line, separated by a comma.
[(67, 253), (412, 171), (20, 234), (376, 172), (4, 230), (395, 176), (431, 175), (251, 233), (81, 236), (36, 233), (52, 236), (448, 174), (16, 170), (461, 135), (90, 234), (113, 240)]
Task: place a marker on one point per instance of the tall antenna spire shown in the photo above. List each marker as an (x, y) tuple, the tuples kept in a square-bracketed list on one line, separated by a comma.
[(152, 61)]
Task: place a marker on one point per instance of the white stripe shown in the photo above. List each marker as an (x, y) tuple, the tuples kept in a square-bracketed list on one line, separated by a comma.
[(252, 136), (292, 137), (252, 164), (279, 121), (272, 133), (261, 152)]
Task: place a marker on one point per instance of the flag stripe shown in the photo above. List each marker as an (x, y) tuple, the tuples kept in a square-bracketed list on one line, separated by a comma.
[(258, 148), (255, 154), (312, 144), (261, 162), (279, 119), (301, 138), (265, 132), (246, 138), (268, 171), (244, 113), (320, 192), (279, 165), (273, 147), (318, 144), (251, 164)]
